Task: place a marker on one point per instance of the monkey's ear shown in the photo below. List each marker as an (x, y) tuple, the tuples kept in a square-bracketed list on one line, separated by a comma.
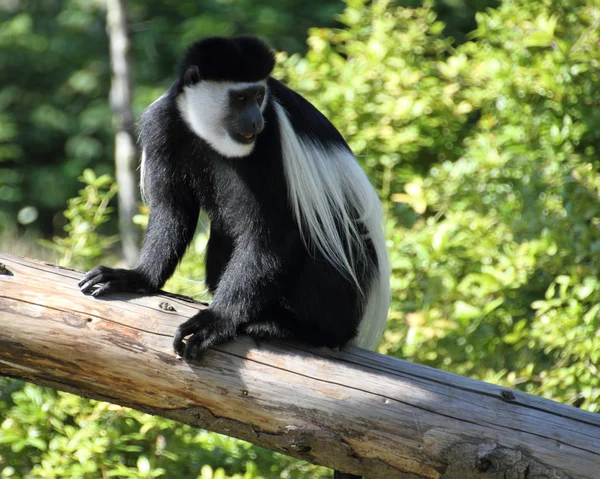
[(192, 76)]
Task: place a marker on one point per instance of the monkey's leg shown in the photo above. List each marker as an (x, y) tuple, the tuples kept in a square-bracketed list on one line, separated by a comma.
[(278, 322), (205, 330), (247, 287)]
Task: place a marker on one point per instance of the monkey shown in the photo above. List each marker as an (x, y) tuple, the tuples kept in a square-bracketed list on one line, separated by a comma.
[(296, 246)]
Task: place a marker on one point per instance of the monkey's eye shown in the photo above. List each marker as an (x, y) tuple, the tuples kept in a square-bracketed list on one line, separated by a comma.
[(260, 97), (241, 97)]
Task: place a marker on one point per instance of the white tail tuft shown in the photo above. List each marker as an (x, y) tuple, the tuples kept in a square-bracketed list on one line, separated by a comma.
[(143, 176), (328, 188)]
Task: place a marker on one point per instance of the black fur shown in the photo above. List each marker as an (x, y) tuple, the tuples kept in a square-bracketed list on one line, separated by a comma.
[(264, 281), (238, 59)]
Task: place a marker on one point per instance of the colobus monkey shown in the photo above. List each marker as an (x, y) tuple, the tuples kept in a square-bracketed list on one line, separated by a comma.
[(296, 246)]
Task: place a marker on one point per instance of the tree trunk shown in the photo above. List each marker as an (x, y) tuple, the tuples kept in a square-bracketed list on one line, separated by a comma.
[(353, 410), (123, 121)]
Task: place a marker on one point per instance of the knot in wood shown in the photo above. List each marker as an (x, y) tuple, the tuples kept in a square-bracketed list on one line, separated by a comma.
[(488, 460), (508, 395), (300, 447), (167, 307), (5, 271), (484, 464)]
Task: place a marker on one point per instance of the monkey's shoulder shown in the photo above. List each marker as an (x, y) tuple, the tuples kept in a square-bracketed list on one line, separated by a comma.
[(305, 118), (161, 117)]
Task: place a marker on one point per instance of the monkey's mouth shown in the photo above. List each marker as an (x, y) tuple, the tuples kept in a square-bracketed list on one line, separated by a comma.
[(246, 137)]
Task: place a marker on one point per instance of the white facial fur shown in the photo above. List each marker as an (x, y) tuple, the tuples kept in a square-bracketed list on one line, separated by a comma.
[(204, 105)]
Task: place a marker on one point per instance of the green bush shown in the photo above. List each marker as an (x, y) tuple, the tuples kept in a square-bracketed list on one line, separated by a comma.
[(51, 435), (84, 244)]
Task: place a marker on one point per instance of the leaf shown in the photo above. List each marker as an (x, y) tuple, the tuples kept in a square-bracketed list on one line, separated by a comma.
[(538, 39), (585, 291), (592, 315), (464, 311), (37, 443), (143, 464), (88, 176), (487, 282), (440, 236), (492, 305)]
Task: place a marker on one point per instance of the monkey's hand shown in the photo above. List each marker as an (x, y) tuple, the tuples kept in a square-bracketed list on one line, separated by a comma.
[(205, 330), (114, 280)]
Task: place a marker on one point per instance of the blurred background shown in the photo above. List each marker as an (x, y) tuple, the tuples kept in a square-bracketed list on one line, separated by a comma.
[(478, 121)]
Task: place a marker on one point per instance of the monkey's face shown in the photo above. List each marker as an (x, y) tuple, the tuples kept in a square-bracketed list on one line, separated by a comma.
[(244, 119), (227, 115)]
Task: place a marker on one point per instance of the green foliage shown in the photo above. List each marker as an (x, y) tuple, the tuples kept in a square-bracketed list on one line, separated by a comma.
[(55, 119), (53, 125), (84, 244), (188, 278), (51, 435), (485, 155)]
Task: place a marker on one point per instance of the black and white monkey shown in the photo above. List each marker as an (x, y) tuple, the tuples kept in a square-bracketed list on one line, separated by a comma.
[(296, 246)]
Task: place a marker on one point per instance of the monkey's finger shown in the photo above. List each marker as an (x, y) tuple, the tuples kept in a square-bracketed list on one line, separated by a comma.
[(86, 288), (189, 327), (94, 273), (88, 277), (106, 288), (179, 344), (196, 342), (91, 280)]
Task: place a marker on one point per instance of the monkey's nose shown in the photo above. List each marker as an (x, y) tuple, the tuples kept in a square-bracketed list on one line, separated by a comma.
[(258, 126)]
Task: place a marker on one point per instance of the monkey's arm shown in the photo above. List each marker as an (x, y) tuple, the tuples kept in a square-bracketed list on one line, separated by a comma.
[(174, 208), (250, 281), (248, 286), (172, 222)]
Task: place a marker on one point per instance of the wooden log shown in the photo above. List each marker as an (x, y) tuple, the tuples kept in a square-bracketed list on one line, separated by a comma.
[(352, 410)]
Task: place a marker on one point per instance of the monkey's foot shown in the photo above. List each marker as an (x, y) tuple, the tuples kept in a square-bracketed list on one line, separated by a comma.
[(204, 331)]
